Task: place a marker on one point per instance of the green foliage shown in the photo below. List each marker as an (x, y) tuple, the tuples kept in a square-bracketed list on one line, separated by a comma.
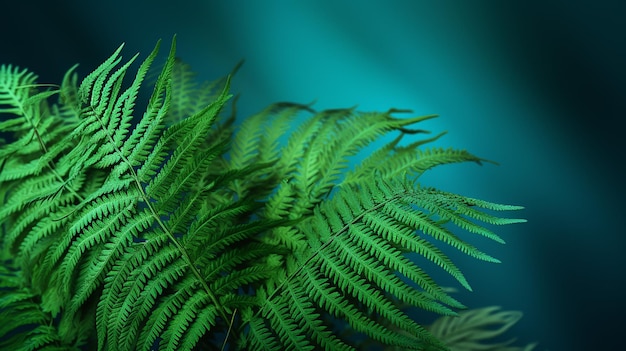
[(471, 328), (174, 229)]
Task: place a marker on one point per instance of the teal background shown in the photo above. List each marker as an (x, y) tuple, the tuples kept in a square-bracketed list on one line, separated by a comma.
[(536, 85)]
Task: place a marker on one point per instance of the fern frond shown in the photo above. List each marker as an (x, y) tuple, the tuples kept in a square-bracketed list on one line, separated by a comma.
[(351, 136), (187, 95), (381, 276), (161, 315), (162, 181), (359, 240), (257, 136), (140, 291), (471, 329), (30, 327), (18, 97), (257, 141), (260, 336), (184, 93), (28, 117)]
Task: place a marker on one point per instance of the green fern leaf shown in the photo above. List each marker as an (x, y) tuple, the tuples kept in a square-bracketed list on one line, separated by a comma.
[(362, 237), (470, 329)]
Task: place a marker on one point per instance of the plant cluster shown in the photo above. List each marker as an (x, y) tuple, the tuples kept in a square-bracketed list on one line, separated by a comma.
[(179, 229)]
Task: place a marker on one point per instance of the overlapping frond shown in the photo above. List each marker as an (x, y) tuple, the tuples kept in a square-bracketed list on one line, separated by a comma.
[(187, 95), (20, 310), (358, 267), (122, 221)]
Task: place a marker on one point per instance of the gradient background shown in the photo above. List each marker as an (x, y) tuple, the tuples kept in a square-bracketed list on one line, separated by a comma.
[(536, 85)]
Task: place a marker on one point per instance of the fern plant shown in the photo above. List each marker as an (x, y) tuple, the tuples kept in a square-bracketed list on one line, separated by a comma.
[(175, 229)]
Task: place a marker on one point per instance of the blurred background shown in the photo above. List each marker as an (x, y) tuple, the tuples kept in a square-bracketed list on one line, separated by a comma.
[(538, 86)]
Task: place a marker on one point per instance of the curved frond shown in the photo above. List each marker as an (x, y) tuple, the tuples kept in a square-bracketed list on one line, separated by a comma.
[(357, 260)]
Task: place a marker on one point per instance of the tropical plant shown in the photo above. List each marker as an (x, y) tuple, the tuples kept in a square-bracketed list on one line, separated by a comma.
[(179, 229)]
